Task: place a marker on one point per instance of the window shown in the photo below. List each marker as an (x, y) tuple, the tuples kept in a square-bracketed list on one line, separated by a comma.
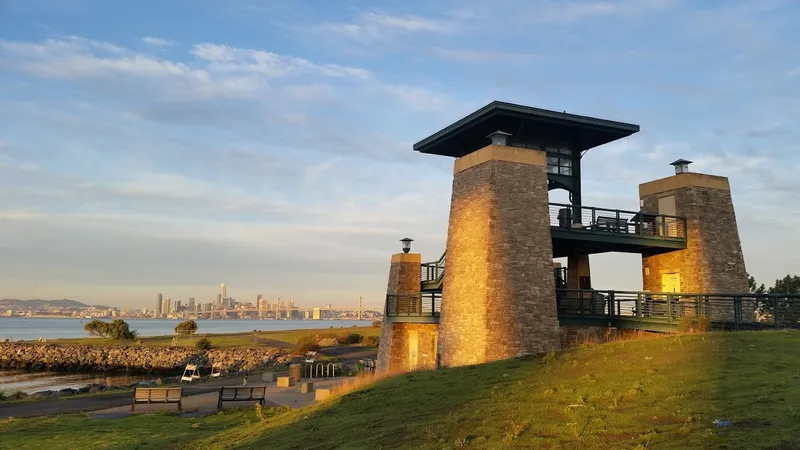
[(559, 160)]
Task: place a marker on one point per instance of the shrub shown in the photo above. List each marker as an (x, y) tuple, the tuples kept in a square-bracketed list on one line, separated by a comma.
[(372, 341), (203, 344), (117, 329), (307, 344), (186, 327), (352, 338), (689, 324)]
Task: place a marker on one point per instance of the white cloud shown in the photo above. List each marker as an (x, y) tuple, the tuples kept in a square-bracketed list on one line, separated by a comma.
[(231, 59), (380, 25), (75, 58), (158, 42), (477, 56)]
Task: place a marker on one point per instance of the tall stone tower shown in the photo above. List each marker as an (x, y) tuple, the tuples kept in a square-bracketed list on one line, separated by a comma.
[(712, 260), (499, 289)]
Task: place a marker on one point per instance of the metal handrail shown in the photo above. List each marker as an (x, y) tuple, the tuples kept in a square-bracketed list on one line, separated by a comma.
[(425, 304), (618, 221), (725, 309), (434, 270)]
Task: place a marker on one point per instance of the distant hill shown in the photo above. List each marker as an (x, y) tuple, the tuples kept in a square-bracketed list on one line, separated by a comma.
[(7, 303)]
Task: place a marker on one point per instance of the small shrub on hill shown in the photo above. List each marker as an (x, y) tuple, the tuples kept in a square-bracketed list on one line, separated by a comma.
[(689, 324), (352, 338), (307, 344), (372, 341), (203, 344)]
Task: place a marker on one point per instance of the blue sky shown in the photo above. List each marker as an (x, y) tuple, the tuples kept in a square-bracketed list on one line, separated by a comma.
[(166, 146)]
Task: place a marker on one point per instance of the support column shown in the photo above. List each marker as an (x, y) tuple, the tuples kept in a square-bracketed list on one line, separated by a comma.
[(499, 289), (712, 260), (578, 271), (393, 351)]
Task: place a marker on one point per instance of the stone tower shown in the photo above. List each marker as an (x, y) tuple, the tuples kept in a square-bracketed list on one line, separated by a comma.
[(712, 260), (499, 288)]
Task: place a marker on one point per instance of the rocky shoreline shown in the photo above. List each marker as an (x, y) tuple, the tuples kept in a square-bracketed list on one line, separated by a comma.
[(133, 359)]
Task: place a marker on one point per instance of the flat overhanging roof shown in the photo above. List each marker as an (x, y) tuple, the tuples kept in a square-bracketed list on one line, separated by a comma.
[(525, 124)]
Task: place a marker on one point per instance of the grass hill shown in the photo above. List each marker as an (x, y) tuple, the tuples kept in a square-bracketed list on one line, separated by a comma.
[(661, 393)]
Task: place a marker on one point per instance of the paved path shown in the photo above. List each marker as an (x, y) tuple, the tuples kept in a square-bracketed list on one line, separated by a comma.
[(203, 404), (70, 405)]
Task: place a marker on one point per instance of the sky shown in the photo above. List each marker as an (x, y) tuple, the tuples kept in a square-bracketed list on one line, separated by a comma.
[(165, 146)]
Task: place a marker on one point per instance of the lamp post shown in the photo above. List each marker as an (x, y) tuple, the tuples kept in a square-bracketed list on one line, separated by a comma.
[(406, 244)]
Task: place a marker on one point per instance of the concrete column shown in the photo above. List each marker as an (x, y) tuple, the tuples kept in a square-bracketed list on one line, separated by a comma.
[(712, 260), (404, 278), (499, 290)]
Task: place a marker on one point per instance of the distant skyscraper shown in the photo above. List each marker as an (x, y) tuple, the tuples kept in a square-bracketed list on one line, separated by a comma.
[(191, 304), (317, 314), (223, 290), (178, 306), (165, 306), (158, 305), (219, 301)]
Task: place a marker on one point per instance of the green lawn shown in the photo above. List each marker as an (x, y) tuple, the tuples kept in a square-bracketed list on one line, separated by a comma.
[(227, 339), (655, 393)]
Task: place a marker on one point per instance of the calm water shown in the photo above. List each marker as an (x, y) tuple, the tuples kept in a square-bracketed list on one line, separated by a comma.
[(26, 329), (30, 382)]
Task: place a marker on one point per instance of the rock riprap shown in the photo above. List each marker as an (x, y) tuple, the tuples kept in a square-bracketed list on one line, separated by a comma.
[(132, 359)]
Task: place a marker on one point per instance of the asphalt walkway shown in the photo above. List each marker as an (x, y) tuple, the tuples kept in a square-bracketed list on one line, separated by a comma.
[(203, 390)]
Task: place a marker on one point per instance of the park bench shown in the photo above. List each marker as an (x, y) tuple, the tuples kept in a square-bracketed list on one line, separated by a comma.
[(242, 394), (157, 395), (617, 225)]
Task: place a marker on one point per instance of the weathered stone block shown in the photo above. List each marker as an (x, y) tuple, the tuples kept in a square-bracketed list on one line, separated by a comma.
[(285, 381), (269, 377), (322, 394), (306, 387)]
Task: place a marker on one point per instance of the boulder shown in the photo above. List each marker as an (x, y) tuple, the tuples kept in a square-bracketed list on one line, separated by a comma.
[(328, 342)]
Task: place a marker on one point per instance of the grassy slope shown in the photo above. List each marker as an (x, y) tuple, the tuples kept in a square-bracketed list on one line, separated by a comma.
[(658, 393), (227, 339)]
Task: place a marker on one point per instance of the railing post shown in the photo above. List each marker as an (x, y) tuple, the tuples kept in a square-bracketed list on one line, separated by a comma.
[(639, 305), (611, 300), (580, 302), (669, 309), (616, 224), (737, 311), (664, 226), (775, 310)]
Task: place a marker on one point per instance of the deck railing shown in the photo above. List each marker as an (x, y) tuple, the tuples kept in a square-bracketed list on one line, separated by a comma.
[(433, 271), (726, 310), (616, 221), (425, 304)]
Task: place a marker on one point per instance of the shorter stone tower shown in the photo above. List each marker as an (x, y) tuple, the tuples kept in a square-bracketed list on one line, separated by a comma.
[(712, 260)]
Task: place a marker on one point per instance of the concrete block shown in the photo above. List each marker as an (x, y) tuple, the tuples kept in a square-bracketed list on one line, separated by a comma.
[(269, 377), (285, 381), (306, 387), (322, 394)]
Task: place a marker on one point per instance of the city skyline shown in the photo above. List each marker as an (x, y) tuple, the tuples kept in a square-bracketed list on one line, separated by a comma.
[(270, 145)]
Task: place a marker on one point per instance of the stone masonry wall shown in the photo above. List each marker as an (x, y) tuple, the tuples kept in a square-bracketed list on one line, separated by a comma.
[(399, 359), (499, 291), (404, 278), (712, 260)]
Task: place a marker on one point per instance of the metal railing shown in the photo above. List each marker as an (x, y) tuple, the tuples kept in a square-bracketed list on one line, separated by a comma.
[(425, 304), (616, 221), (723, 310), (433, 271)]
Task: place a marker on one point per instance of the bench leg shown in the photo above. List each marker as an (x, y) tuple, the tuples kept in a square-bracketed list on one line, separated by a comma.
[(180, 405), (133, 406)]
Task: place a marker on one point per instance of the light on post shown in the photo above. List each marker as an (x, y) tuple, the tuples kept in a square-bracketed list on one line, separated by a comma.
[(499, 137), (406, 244), (681, 166)]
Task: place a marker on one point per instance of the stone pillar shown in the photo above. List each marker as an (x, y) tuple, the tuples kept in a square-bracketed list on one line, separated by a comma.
[(578, 268), (404, 278), (712, 260), (499, 289)]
